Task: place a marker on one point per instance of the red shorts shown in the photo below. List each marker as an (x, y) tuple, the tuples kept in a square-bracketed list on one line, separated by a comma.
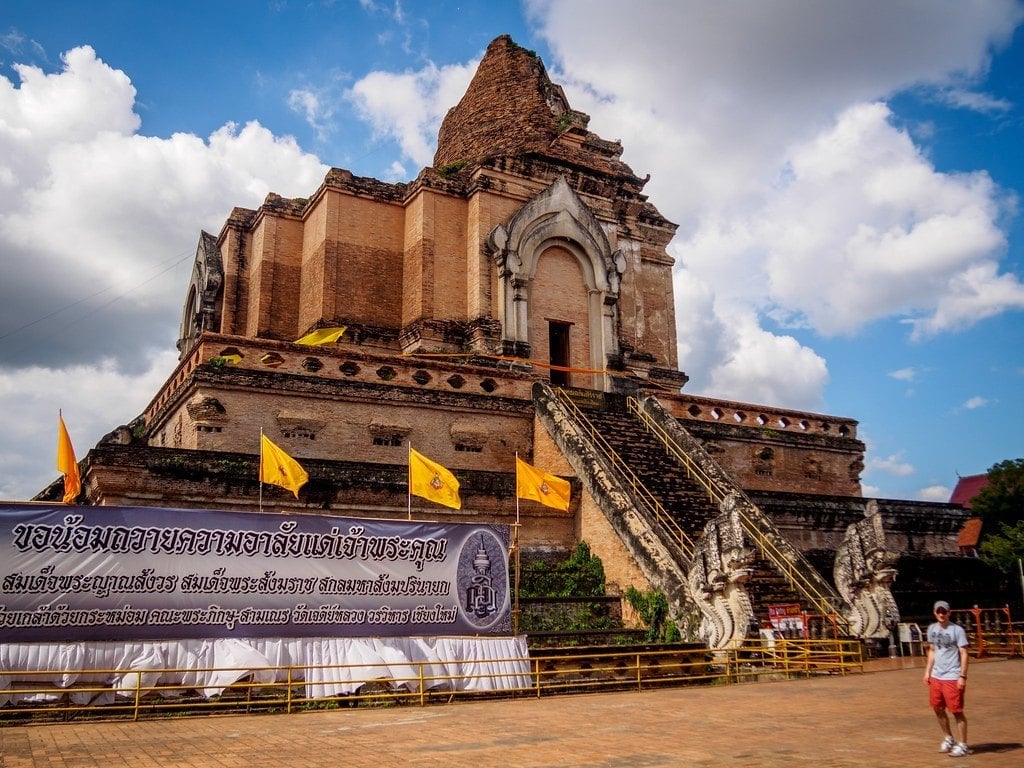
[(946, 694)]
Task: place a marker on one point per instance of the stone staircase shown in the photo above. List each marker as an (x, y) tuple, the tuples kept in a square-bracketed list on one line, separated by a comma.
[(684, 499)]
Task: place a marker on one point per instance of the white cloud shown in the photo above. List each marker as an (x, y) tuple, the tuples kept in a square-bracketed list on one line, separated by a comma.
[(316, 112), (785, 68), (396, 172), (112, 211), (974, 294), (865, 229), (975, 402), (934, 493), (905, 374), (409, 107), (891, 465), (94, 399), (754, 366), (975, 101)]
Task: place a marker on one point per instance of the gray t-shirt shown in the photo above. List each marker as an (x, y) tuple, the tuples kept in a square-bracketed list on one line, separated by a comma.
[(947, 644)]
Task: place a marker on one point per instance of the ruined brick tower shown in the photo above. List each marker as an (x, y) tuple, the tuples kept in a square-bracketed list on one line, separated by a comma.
[(528, 237)]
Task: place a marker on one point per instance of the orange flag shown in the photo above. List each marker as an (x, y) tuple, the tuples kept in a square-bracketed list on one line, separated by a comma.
[(67, 463), (538, 485), (278, 468), (430, 480)]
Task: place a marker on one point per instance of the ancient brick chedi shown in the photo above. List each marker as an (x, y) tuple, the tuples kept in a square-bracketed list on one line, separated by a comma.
[(509, 299)]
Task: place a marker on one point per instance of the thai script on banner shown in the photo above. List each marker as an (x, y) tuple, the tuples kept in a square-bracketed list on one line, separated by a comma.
[(111, 573), (72, 535)]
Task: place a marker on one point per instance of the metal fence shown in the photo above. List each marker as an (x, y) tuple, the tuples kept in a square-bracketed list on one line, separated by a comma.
[(991, 631), (540, 674)]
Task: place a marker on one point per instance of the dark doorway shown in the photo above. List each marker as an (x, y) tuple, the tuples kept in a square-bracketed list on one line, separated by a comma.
[(558, 346)]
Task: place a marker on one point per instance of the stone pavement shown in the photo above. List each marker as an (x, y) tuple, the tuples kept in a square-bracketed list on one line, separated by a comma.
[(876, 719)]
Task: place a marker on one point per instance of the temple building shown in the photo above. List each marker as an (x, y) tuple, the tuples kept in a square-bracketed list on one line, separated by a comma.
[(515, 298)]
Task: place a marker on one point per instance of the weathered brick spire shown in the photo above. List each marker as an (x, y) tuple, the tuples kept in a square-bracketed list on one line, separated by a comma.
[(512, 108)]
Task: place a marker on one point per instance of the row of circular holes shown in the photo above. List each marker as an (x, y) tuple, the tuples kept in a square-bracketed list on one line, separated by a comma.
[(762, 420), (385, 372)]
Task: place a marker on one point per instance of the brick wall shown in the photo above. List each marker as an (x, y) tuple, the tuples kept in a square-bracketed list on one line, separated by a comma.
[(318, 284), (620, 569), (558, 293), (352, 430), (363, 256), (446, 220), (773, 449), (591, 525), (283, 302)]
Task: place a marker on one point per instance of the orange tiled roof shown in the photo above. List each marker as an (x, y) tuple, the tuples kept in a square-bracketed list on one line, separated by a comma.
[(970, 533)]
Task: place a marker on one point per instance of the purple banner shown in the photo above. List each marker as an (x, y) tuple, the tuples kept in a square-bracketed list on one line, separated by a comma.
[(113, 573)]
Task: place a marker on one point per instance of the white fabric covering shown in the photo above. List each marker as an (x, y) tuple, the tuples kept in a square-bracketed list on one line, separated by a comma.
[(329, 666)]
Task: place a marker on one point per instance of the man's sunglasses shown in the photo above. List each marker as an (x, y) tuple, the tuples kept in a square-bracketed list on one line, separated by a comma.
[(941, 610)]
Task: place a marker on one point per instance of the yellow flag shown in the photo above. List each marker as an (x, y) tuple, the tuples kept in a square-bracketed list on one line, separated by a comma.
[(322, 336), (432, 481), (532, 483), (67, 464), (278, 468)]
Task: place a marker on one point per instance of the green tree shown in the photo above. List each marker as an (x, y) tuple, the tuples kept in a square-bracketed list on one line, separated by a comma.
[(1001, 505), (1003, 549), (1002, 500)]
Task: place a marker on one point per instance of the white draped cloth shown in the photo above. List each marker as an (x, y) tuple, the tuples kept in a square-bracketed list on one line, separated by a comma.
[(327, 666)]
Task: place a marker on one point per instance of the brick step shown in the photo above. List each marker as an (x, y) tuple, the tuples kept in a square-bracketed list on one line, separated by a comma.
[(684, 499)]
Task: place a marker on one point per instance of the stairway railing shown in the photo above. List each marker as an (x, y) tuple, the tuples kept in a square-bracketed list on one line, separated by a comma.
[(712, 487), (789, 564), (640, 491)]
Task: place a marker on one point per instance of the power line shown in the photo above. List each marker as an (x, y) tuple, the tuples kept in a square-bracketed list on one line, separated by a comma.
[(172, 262), (177, 259)]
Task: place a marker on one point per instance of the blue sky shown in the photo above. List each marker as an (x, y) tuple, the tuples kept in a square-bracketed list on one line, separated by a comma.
[(847, 179)]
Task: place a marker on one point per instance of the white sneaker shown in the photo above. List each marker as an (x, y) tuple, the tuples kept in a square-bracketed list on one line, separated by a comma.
[(947, 744), (958, 750)]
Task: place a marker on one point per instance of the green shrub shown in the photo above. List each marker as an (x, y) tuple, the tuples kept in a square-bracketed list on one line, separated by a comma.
[(581, 575), (653, 609)]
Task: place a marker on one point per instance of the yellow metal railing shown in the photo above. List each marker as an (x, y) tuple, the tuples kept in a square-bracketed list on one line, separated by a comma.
[(679, 536), (754, 659), (716, 493), (290, 688)]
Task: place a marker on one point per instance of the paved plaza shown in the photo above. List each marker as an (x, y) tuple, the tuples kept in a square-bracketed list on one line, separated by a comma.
[(876, 719)]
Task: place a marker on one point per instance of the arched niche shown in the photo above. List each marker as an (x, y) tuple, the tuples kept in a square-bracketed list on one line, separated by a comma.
[(557, 218)]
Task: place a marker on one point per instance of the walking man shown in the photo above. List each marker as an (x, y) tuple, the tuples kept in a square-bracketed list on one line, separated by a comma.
[(945, 674)]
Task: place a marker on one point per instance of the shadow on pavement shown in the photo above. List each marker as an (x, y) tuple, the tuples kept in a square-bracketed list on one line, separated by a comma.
[(977, 749)]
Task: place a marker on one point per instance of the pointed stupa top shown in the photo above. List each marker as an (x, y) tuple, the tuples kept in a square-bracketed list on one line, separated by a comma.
[(512, 108)]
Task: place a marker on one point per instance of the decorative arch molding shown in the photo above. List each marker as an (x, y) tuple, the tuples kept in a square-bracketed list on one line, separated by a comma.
[(202, 302), (557, 217)]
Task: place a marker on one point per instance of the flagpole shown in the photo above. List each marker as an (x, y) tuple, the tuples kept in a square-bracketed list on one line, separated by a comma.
[(259, 474), (515, 547), (408, 483)]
